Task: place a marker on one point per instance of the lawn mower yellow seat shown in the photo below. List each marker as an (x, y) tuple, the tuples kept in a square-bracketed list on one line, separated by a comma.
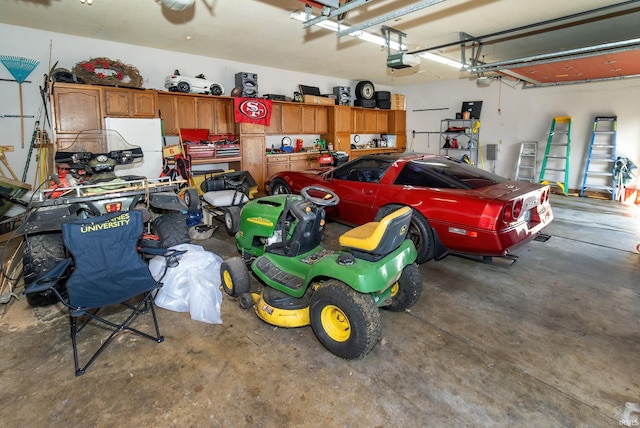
[(379, 238)]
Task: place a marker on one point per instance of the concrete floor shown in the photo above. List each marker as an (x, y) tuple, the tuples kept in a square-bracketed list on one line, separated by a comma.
[(551, 341)]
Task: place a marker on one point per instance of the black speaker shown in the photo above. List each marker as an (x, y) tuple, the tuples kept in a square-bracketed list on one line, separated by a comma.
[(248, 84), (343, 95)]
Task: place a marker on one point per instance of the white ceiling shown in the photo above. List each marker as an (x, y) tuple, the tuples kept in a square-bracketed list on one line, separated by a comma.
[(261, 31)]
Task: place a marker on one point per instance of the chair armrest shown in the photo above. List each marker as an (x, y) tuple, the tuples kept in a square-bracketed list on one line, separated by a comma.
[(49, 279)]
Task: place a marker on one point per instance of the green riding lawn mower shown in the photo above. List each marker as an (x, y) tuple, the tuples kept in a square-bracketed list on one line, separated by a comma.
[(337, 292)]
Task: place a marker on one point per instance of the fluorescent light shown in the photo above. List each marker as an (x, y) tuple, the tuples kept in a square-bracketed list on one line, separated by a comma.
[(371, 38)]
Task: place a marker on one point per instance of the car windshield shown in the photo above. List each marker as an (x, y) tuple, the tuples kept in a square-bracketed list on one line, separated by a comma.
[(365, 169), (445, 173)]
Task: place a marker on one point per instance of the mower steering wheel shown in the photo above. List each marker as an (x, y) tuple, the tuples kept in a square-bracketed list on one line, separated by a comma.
[(329, 199)]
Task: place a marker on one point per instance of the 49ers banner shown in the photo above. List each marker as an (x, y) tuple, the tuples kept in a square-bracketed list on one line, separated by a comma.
[(252, 110)]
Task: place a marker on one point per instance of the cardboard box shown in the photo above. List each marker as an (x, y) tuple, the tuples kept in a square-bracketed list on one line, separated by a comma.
[(397, 102), (313, 99)]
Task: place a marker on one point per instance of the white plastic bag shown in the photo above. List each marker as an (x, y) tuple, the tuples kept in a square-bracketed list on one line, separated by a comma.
[(191, 286)]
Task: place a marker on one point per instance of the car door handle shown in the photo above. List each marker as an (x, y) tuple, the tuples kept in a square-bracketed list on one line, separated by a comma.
[(367, 192)]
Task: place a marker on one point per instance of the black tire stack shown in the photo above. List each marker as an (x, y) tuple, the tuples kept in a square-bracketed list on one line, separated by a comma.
[(383, 100), (365, 95)]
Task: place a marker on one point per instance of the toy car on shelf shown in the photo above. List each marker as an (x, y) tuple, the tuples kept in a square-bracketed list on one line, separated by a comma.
[(195, 85)]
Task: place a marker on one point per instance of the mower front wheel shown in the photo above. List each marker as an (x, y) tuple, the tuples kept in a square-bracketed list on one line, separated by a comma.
[(235, 277), (232, 219), (346, 322), (406, 292)]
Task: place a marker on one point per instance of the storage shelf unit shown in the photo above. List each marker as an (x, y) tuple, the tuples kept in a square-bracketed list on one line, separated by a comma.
[(459, 137)]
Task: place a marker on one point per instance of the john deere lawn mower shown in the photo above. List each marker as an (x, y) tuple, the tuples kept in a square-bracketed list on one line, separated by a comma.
[(337, 292)]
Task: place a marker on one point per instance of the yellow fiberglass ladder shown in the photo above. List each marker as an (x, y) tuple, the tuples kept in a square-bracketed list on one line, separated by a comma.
[(599, 170), (556, 156)]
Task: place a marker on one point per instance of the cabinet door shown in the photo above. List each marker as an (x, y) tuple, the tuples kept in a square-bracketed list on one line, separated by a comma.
[(77, 109), (116, 102), (291, 119), (274, 167), (298, 163), (342, 119), (168, 113), (253, 150), (144, 103), (206, 114), (186, 108), (224, 116), (382, 122), (357, 115), (308, 119), (370, 121), (397, 122), (322, 120), (275, 126)]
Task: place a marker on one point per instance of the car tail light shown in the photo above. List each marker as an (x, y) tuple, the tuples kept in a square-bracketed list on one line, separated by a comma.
[(517, 209), (113, 207), (507, 212)]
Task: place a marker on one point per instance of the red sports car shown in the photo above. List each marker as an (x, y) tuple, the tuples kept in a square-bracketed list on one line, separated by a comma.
[(457, 207)]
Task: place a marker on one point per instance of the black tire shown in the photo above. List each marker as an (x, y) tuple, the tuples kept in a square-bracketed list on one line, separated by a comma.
[(279, 187), (365, 90), (364, 103), (346, 322), (234, 276), (232, 220), (383, 104), (215, 89), (419, 232), (172, 229), (383, 95), (191, 198), (41, 253), (406, 292), (184, 87)]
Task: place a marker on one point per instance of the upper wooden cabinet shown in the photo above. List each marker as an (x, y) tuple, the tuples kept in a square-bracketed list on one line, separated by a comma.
[(119, 102), (292, 118), (341, 120), (76, 108), (397, 122), (215, 114), (275, 125)]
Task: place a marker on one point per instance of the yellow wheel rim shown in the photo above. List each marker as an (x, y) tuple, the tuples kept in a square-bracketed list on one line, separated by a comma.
[(394, 289), (228, 282), (335, 323)]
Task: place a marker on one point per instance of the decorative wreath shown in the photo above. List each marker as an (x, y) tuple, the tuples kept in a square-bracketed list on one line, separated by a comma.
[(105, 71)]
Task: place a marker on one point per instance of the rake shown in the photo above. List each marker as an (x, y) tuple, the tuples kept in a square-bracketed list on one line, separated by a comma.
[(20, 68)]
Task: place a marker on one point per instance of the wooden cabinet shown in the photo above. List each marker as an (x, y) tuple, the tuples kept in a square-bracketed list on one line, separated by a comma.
[(119, 102), (168, 114), (357, 121), (322, 120), (291, 162), (76, 108), (291, 118), (214, 114), (397, 122), (341, 120), (177, 111), (186, 112), (275, 126), (277, 163), (370, 121), (308, 119), (382, 121)]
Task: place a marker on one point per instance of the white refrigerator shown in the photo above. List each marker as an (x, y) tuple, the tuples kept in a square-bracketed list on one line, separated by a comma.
[(146, 133)]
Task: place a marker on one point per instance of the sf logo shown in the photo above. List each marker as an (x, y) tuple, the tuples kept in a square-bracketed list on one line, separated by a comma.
[(253, 109)]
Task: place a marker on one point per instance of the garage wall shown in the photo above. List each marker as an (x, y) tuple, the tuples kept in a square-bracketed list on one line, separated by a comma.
[(510, 116), (153, 64)]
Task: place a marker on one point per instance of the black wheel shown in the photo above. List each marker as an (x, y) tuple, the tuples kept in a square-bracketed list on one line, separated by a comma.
[(184, 87), (346, 322), (406, 292), (191, 198), (41, 253), (279, 187), (232, 220), (419, 232), (235, 277), (172, 229), (383, 95), (365, 90), (246, 301), (215, 89)]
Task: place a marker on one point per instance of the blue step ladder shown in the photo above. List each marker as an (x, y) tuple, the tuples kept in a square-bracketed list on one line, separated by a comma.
[(599, 171), (555, 163)]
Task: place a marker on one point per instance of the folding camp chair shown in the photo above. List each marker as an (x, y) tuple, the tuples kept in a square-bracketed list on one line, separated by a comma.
[(107, 269)]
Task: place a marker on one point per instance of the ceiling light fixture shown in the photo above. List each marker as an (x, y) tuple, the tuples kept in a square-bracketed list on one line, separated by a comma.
[(371, 38), (177, 5), (89, 2)]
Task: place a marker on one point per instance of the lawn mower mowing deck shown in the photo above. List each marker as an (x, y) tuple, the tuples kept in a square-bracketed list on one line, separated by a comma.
[(337, 292)]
